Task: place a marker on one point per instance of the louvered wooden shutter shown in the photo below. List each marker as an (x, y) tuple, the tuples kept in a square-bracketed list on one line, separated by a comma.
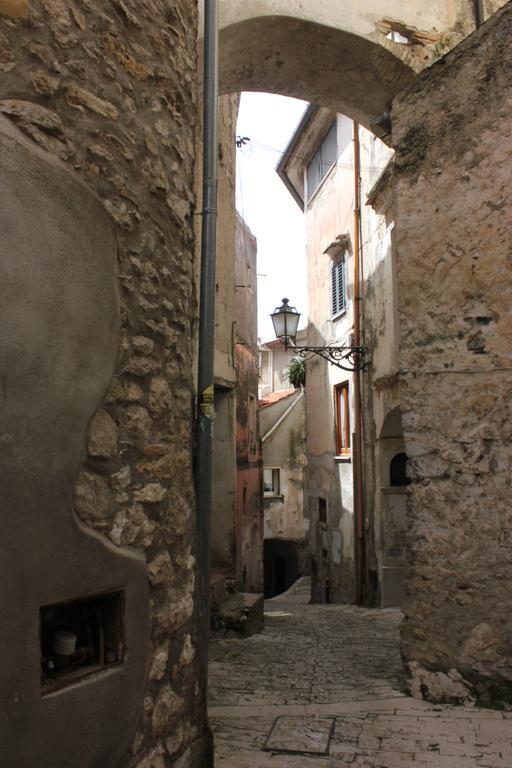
[(338, 286), (334, 290)]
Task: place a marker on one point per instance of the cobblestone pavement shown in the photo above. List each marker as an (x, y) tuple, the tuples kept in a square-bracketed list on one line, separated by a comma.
[(322, 687)]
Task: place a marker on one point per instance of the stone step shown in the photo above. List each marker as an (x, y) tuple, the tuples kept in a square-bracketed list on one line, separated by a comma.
[(253, 609), (240, 614)]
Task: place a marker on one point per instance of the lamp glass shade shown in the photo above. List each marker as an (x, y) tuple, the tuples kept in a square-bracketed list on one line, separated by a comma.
[(285, 320)]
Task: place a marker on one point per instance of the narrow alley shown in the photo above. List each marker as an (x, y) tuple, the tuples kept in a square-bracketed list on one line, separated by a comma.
[(322, 686)]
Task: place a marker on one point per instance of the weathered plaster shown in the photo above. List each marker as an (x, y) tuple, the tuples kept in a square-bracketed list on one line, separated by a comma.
[(353, 17), (223, 544), (16, 9), (226, 295), (284, 448), (249, 502), (60, 334)]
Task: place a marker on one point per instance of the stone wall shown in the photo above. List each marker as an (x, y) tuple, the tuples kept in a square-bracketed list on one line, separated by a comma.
[(453, 202), (109, 88)]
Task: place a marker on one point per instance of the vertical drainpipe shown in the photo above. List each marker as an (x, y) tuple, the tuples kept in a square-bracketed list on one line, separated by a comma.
[(358, 433), (205, 409), (479, 13)]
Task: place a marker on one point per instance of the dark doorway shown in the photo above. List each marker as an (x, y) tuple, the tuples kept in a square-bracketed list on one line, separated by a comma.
[(283, 564)]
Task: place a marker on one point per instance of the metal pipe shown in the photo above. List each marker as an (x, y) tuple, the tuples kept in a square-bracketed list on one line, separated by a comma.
[(358, 434), (479, 13), (205, 410)]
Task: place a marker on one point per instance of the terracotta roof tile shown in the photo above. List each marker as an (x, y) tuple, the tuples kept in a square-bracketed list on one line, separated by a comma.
[(274, 397)]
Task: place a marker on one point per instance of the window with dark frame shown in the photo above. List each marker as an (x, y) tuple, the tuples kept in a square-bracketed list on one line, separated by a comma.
[(271, 481), (342, 413), (338, 297)]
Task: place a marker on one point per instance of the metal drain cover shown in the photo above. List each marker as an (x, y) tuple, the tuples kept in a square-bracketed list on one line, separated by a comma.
[(300, 735)]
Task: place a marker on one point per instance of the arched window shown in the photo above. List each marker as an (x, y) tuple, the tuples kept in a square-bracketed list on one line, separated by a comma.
[(397, 470)]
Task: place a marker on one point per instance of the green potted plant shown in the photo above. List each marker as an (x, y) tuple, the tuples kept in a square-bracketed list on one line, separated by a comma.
[(296, 373)]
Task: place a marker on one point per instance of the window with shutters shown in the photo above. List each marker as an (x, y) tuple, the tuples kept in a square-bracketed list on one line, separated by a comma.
[(338, 296), (323, 160)]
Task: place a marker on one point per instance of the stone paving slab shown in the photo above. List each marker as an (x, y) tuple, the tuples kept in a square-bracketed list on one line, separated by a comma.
[(343, 663), (377, 740), (300, 735)]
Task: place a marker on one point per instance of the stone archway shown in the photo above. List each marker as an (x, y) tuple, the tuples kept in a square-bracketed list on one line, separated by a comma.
[(293, 57), (344, 56)]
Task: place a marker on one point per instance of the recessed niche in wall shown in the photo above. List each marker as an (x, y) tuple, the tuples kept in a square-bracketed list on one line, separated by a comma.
[(398, 470), (80, 638), (322, 510)]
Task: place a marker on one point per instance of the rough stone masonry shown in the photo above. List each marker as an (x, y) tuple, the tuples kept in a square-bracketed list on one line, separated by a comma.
[(109, 89), (453, 134)]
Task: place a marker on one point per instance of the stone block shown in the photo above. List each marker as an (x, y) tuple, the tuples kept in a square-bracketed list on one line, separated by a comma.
[(392, 586)]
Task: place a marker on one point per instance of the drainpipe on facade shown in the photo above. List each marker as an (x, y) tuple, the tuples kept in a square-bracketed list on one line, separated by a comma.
[(479, 13), (205, 409), (358, 434)]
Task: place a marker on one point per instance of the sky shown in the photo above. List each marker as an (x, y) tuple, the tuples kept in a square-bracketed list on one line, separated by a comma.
[(267, 207)]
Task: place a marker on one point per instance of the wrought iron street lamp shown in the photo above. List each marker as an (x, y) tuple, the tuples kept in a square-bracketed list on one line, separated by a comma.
[(286, 320)]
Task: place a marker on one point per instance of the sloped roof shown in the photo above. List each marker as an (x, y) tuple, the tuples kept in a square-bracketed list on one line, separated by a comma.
[(275, 397)]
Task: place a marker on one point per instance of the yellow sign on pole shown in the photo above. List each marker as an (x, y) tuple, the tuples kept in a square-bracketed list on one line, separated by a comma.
[(206, 402)]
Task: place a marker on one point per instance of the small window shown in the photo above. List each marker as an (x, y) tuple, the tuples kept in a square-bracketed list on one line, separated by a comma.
[(324, 158), (264, 366), (338, 297), (342, 413), (398, 470), (271, 481)]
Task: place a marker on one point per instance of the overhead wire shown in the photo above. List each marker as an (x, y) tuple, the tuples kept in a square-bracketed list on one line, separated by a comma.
[(349, 166)]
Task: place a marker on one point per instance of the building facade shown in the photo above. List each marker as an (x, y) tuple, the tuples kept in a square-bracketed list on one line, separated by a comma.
[(357, 515), (282, 411), (286, 527), (249, 461)]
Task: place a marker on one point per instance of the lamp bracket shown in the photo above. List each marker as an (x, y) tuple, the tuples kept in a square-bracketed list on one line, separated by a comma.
[(347, 358)]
